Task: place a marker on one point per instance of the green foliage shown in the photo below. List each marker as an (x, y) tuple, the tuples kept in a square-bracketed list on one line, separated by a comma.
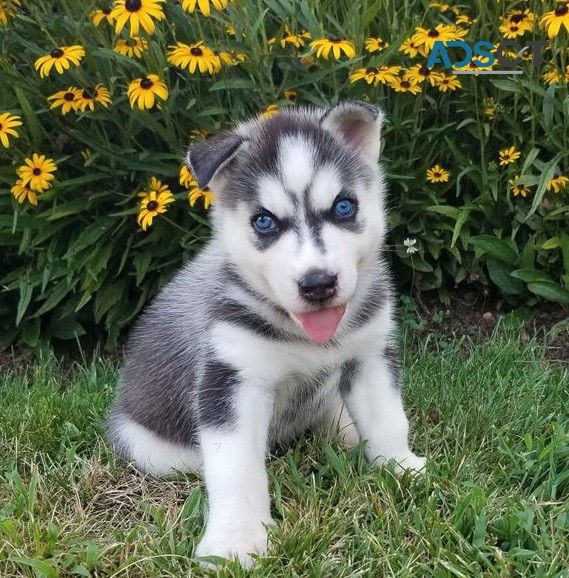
[(78, 263)]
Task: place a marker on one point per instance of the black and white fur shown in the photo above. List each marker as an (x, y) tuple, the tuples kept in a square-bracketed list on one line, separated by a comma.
[(219, 369)]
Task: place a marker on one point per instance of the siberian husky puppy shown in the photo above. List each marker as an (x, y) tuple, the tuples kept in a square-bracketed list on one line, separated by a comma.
[(283, 322)]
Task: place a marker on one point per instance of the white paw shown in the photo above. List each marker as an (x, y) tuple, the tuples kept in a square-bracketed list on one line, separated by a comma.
[(412, 463), (233, 543)]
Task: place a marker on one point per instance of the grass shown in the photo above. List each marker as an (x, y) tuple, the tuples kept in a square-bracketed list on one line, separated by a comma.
[(494, 502)]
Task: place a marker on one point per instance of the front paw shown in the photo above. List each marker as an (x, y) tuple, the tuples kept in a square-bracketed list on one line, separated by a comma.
[(414, 464), (233, 543), (409, 461)]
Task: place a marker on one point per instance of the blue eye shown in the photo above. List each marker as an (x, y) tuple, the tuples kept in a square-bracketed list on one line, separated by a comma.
[(344, 208), (265, 223)]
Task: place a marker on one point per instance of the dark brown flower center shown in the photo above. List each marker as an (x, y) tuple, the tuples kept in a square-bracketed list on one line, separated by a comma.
[(561, 9), (36, 171), (133, 5), (517, 18), (152, 205), (433, 33), (424, 71), (285, 34), (437, 175), (146, 83), (372, 70), (196, 51), (106, 11), (56, 53), (1, 127), (89, 93), (334, 39), (405, 84), (69, 96), (514, 28)]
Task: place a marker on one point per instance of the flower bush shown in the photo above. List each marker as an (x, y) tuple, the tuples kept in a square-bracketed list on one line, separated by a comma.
[(99, 100)]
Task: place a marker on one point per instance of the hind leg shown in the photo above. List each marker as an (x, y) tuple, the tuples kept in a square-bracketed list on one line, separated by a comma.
[(148, 452)]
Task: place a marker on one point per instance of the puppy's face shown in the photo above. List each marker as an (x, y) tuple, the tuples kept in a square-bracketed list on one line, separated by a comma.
[(301, 212)]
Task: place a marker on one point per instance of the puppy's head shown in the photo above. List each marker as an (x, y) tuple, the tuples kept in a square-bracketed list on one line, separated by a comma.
[(299, 206)]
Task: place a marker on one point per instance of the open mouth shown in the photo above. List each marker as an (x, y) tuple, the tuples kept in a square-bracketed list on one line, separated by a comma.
[(320, 325)]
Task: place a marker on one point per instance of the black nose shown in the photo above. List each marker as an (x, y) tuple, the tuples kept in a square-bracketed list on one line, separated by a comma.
[(318, 285)]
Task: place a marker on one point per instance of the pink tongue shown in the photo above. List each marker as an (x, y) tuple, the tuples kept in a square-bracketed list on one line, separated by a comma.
[(321, 325)]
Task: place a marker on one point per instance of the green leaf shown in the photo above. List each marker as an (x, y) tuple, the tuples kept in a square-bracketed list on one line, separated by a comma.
[(141, 262), (446, 210), (107, 296), (499, 273), (55, 294), (530, 275), (42, 566), (553, 243), (234, 84), (26, 291), (550, 291), (461, 219), (499, 249)]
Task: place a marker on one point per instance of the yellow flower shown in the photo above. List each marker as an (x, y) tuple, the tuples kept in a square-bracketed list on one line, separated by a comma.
[(199, 133), (203, 5), (401, 84), (271, 110), (412, 48), (89, 96), (517, 23), (142, 92), (557, 183), (448, 82), (375, 44), (7, 124), (552, 21), (197, 57), (7, 9), (518, 188), (132, 47), (68, 99), (195, 193), (186, 177), (22, 192), (441, 32), (335, 45), (491, 107), (287, 37), (421, 73), (153, 202), (137, 13), (439, 6), (509, 155), (374, 75), (437, 174), (290, 95), (60, 58), (554, 76), (37, 172), (97, 16)]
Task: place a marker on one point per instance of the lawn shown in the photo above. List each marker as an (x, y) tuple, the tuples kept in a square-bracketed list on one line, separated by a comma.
[(492, 416)]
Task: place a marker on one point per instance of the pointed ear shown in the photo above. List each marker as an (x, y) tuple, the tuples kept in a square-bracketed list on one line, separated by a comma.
[(207, 159), (358, 124)]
